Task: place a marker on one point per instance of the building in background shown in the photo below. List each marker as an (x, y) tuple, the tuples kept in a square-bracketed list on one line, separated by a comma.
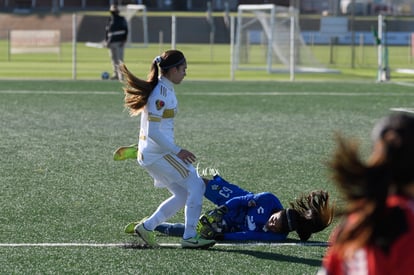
[(321, 7)]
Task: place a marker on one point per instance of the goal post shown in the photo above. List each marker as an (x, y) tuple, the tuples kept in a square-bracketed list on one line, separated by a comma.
[(268, 37), (383, 73), (243, 25), (131, 11)]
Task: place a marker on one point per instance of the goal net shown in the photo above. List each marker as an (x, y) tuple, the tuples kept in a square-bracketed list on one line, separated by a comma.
[(141, 32), (268, 38)]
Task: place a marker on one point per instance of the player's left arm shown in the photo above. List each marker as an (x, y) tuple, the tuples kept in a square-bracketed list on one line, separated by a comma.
[(240, 202)]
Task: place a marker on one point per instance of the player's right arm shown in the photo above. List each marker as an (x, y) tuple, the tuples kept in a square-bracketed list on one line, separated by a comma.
[(156, 135)]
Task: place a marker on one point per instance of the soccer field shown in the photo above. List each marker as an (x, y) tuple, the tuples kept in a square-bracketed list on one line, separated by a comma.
[(64, 201), (205, 62)]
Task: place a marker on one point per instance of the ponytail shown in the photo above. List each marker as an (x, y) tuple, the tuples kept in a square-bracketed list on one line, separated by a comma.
[(365, 188), (137, 91), (354, 178)]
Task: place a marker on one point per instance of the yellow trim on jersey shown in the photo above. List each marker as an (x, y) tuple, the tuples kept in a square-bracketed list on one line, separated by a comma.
[(154, 118), (168, 113), (177, 165), (142, 137)]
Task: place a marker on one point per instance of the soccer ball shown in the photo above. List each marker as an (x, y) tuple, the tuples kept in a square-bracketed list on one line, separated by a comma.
[(105, 75)]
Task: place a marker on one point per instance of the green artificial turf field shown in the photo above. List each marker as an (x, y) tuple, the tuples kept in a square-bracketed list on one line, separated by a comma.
[(62, 192), (205, 62)]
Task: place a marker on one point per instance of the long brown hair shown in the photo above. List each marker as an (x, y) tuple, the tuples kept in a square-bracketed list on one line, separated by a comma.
[(308, 214), (137, 91), (366, 186)]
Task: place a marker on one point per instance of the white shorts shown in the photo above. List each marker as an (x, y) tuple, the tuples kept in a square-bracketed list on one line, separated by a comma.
[(169, 170)]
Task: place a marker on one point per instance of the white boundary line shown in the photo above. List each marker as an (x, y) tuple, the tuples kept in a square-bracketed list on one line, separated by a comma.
[(296, 94), (25, 92), (408, 84), (404, 110), (136, 245), (405, 71)]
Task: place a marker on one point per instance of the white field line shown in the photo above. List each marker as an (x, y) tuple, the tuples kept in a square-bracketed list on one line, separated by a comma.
[(135, 245), (295, 94), (408, 84), (402, 109), (390, 94), (25, 92), (397, 109)]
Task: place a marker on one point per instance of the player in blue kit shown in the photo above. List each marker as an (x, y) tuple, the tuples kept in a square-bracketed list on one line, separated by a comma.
[(245, 216)]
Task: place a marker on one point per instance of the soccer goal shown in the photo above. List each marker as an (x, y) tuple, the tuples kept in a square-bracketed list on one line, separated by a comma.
[(140, 11), (268, 37)]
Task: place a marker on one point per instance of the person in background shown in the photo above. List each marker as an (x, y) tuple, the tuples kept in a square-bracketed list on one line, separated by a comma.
[(376, 235), (116, 34), (167, 163)]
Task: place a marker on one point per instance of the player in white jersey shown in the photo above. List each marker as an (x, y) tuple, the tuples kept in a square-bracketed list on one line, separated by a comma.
[(168, 164)]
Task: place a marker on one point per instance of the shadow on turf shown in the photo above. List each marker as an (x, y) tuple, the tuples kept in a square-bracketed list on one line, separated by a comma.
[(257, 254), (273, 256), (145, 246), (280, 257), (135, 246)]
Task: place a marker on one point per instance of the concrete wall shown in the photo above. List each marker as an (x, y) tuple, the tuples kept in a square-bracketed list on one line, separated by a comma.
[(189, 29)]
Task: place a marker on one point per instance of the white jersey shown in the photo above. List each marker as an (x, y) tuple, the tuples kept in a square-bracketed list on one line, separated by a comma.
[(156, 137)]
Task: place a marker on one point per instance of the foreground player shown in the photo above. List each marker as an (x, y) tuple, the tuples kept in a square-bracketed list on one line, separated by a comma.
[(377, 232), (168, 164)]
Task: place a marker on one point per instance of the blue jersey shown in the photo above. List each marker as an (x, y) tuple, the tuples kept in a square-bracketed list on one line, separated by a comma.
[(243, 222), (242, 218), (218, 191)]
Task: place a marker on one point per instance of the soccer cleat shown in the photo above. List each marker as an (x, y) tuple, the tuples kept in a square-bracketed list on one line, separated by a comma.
[(146, 235), (126, 152), (205, 229), (130, 227), (197, 242)]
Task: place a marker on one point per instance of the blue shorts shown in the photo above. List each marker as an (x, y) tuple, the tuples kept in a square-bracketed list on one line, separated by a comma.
[(218, 191)]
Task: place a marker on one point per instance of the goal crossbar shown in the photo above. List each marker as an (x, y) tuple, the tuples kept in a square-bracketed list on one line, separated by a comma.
[(130, 11), (274, 31)]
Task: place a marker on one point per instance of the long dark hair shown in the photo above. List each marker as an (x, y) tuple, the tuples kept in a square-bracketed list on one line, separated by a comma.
[(366, 186), (308, 214), (137, 91)]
